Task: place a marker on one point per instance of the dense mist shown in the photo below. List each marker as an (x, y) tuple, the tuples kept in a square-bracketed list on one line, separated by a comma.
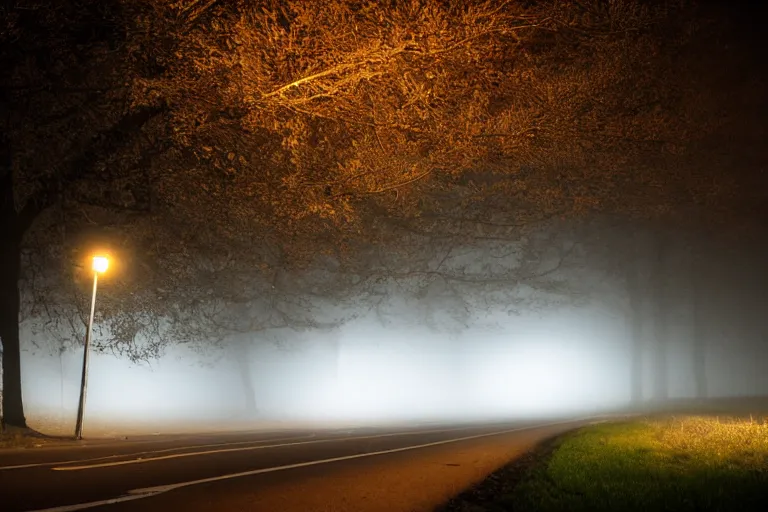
[(573, 360)]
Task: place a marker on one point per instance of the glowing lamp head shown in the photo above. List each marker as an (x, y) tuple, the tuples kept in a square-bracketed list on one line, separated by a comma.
[(100, 264)]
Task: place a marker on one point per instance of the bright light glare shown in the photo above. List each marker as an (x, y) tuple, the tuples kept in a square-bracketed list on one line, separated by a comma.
[(361, 374), (100, 264)]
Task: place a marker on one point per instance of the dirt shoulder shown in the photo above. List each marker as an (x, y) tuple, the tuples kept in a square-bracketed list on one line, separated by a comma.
[(496, 491), (12, 439)]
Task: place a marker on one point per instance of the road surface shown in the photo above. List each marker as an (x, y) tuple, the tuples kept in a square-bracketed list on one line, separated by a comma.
[(404, 468)]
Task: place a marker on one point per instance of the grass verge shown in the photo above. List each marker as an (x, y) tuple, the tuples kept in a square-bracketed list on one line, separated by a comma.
[(691, 463)]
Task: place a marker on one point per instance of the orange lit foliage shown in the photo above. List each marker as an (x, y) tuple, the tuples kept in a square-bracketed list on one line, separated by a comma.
[(313, 119), (269, 132), (218, 141)]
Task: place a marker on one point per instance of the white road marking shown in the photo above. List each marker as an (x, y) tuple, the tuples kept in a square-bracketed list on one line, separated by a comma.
[(148, 492), (179, 448), (165, 488), (81, 506), (146, 452), (142, 460)]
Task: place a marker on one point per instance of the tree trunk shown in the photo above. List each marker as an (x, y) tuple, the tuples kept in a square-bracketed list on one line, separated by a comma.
[(637, 291), (244, 370), (661, 315), (699, 327), (11, 405), (336, 348), (14, 222), (10, 264), (636, 333), (61, 381)]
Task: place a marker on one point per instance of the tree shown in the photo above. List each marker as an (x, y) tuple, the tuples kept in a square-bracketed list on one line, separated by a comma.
[(661, 314), (92, 185), (363, 102), (637, 292), (196, 131), (57, 91), (701, 332)]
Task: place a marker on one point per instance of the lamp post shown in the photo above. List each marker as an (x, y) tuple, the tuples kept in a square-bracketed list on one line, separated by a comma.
[(100, 265)]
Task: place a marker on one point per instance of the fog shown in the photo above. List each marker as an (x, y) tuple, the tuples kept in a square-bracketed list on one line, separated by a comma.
[(572, 361), (612, 326)]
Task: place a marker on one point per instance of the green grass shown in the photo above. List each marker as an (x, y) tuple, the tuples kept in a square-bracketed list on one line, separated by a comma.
[(674, 464)]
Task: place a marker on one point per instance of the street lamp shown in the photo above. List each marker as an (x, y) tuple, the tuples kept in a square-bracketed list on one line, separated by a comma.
[(100, 265)]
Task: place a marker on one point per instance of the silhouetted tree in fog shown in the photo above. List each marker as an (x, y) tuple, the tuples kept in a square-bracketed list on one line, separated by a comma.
[(216, 146)]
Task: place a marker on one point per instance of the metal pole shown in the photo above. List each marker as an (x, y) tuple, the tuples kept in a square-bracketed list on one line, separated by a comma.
[(86, 349)]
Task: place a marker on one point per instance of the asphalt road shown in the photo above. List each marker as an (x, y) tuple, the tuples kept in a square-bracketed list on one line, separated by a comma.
[(395, 468)]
